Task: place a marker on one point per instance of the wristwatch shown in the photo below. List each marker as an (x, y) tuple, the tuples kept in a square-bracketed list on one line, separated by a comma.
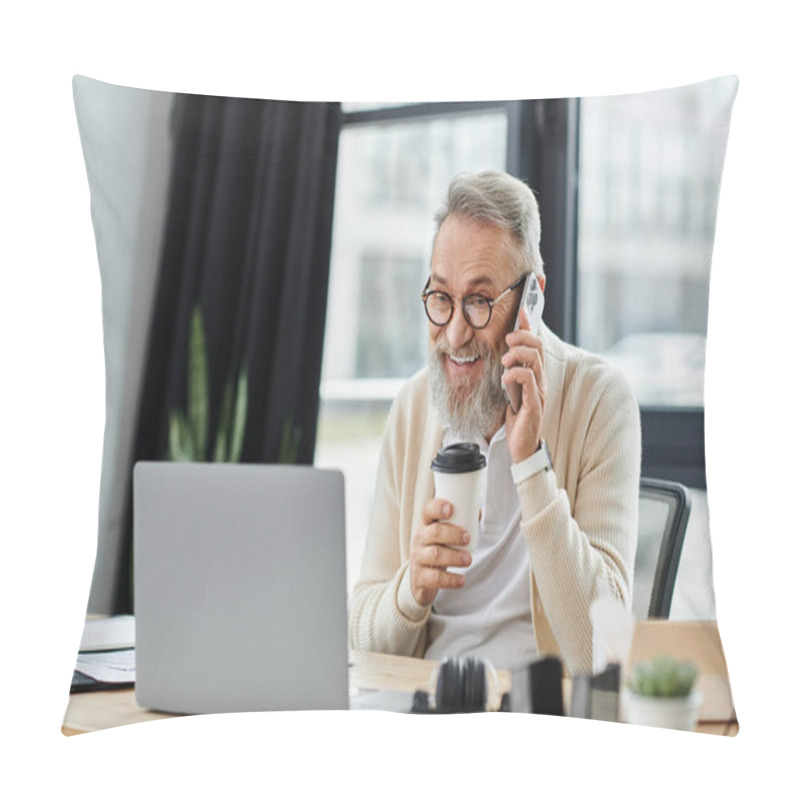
[(533, 465)]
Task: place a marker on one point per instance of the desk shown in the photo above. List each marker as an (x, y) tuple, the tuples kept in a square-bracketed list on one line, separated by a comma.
[(699, 641)]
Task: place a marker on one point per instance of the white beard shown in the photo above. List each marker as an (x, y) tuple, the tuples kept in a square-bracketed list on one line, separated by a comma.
[(472, 413)]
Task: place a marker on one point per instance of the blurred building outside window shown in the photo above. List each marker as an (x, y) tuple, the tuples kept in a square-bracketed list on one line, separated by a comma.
[(648, 180)]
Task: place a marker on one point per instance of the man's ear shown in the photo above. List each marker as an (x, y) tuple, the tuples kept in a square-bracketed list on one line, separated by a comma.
[(542, 280)]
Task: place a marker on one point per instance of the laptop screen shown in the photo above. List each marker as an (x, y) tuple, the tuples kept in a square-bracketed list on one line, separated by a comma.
[(240, 588)]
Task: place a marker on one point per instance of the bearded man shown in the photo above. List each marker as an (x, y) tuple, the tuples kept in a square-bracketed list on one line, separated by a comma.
[(560, 500)]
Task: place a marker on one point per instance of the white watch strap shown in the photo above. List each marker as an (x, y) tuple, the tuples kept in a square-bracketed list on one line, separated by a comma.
[(539, 461)]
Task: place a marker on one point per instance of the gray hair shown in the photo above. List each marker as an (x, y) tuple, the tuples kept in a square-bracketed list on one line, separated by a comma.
[(497, 198)]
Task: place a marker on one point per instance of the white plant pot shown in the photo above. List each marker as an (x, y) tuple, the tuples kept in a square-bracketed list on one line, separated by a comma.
[(678, 713)]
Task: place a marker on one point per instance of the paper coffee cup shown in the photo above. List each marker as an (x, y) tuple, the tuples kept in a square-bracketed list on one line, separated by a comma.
[(458, 478)]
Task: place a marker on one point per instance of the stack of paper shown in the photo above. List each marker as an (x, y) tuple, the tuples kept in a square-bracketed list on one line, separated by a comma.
[(113, 666), (108, 633), (106, 651)]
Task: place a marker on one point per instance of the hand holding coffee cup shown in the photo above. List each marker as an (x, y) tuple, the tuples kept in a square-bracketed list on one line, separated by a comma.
[(446, 538), (436, 546)]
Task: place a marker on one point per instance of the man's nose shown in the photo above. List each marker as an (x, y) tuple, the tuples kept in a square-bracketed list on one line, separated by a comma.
[(459, 331)]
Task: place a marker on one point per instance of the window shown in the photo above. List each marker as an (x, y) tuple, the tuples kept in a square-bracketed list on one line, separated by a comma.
[(391, 179), (648, 185)]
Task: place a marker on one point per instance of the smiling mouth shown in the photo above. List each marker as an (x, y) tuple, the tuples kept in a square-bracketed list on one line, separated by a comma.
[(463, 368), (460, 361)]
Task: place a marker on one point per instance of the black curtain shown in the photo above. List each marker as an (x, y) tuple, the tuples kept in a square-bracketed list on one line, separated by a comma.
[(247, 238)]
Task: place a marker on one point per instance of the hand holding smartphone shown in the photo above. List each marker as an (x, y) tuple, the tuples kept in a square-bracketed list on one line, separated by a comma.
[(532, 303)]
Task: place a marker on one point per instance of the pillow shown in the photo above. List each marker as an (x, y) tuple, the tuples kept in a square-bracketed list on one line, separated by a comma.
[(230, 230)]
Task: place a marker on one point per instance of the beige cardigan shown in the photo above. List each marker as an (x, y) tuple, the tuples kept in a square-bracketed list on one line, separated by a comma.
[(579, 520)]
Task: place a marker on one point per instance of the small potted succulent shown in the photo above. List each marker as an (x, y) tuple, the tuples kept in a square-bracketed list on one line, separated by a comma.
[(662, 693)]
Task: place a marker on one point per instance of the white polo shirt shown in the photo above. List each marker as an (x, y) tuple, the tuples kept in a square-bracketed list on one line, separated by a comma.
[(490, 616)]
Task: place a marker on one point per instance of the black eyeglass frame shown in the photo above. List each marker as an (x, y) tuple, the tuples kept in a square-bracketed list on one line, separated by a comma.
[(427, 292)]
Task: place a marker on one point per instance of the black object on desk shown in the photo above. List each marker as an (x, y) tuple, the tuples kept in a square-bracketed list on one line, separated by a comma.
[(461, 688), (596, 696), (536, 688)]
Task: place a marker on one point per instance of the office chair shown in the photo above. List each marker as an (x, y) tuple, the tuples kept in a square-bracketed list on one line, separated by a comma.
[(664, 508)]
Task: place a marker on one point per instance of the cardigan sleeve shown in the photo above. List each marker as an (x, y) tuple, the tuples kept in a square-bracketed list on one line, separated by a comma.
[(384, 615), (573, 546)]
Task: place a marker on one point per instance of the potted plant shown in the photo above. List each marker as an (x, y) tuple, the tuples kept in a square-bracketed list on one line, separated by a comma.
[(189, 430), (662, 693), (189, 434)]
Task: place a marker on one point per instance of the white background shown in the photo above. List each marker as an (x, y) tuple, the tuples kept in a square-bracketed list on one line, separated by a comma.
[(53, 384)]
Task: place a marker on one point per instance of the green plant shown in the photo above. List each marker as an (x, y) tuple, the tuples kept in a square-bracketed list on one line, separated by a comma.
[(189, 429), (663, 676), (290, 442)]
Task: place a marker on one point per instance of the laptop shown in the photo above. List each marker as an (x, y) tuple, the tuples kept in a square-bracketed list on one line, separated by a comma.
[(240, 590)]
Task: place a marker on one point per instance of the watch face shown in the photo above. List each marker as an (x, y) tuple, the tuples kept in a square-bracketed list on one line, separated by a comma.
[(534, 464)]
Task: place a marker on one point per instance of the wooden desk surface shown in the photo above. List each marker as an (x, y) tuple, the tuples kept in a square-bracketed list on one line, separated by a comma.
[(699, 641)]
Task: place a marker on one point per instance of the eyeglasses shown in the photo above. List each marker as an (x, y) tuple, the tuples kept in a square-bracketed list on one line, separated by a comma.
[(477, 309)]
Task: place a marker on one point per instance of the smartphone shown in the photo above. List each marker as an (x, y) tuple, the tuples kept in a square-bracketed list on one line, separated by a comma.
[(532, 303)]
